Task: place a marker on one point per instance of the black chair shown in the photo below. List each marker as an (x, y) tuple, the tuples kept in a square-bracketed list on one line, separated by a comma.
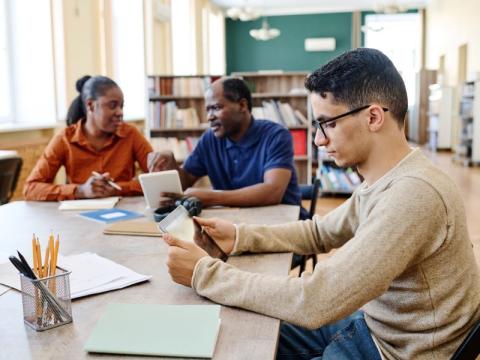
[(9, 173), (309, 192), (469, 349)]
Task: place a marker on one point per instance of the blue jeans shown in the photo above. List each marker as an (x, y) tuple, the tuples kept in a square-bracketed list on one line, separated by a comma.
[(346, 339)]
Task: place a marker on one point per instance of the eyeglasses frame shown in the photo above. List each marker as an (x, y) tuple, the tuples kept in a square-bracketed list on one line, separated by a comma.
[(317, 124)]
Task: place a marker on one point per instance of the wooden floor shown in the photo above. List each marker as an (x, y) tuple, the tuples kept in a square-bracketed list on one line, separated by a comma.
[(466, 178)]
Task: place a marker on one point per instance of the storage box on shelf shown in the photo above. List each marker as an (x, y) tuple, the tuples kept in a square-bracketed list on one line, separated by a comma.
[(467, 150), (176, 112), (333, 179), (281, 97)]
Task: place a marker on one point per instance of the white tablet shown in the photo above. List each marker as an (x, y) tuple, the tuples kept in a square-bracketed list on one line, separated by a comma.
[(155, 183)]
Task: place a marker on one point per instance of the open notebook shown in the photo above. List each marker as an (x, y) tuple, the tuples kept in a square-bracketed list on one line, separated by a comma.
[(153, 329)]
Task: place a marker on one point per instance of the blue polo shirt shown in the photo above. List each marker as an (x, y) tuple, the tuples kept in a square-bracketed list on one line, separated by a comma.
[(232, 165)]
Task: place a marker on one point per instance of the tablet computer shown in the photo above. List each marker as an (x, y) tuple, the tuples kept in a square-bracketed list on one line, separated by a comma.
[(155, 183), (183, 227)]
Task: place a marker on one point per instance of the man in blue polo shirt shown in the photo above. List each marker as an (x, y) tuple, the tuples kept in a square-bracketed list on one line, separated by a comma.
[(249, 162)]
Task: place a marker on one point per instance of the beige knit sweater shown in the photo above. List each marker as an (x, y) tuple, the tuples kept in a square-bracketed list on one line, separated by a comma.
[(405, 258)]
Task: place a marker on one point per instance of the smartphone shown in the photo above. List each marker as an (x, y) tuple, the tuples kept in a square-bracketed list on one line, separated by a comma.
[(205, 241)]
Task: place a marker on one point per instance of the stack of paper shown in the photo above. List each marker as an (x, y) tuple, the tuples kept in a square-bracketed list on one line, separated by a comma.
[(91, 274), (152, 329), (89, 204)]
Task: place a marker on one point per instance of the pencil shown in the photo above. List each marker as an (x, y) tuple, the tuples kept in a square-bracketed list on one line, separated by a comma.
[(55, 255), (34, 255), (110, 182), (39, 259), (51, 248)]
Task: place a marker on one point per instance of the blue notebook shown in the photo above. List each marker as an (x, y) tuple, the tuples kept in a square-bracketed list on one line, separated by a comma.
[(156, 330), (110, 215)]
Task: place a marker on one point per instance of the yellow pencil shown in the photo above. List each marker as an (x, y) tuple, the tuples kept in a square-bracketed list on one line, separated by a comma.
[(39, 259), (51, 248), (55, 255), (34, 255), (46, 272)]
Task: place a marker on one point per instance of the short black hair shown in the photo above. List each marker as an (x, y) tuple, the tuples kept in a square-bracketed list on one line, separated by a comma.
[(88, 87), (235, 89), (359, 77)]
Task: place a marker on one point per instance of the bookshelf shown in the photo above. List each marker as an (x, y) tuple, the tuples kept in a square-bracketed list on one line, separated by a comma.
[(333, 179), (467, 149), (281, 97), (176, 112)]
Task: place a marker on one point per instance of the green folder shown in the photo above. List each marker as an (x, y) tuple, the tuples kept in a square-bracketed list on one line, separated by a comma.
[(153, 329)]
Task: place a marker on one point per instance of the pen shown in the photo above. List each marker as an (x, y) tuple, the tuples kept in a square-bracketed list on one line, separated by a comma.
[(110, 182)]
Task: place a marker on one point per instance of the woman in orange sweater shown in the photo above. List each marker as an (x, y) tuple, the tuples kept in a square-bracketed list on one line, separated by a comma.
[(96, 149)]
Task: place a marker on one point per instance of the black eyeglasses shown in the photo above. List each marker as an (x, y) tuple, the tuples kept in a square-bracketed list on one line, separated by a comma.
[(318, 124)]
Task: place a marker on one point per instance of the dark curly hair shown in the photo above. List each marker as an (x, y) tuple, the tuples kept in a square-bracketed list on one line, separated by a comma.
[(359, 77)]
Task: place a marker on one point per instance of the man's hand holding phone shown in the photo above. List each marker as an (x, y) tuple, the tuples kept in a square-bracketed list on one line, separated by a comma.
[(221, 232)]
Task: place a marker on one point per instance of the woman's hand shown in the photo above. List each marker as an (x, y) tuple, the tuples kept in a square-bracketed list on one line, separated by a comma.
[(95, 187)]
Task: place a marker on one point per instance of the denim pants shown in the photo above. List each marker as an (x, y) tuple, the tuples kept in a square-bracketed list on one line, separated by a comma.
[(346, 339)]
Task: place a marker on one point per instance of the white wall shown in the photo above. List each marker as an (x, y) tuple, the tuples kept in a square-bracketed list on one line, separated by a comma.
[(451, 23)]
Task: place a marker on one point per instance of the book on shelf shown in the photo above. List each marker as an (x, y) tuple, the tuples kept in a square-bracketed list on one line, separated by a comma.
[(181, 148), (299, 138), (168, 116), (179, 85), (338, 180), (279, 112)]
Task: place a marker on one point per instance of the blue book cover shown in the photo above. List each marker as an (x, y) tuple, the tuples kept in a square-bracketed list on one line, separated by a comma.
[(107, 216)]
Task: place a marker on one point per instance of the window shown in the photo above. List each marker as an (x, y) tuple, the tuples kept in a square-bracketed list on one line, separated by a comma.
[(128, 55), (5, 98), (388, 33), (213, 42), (29, 49), (183, 38)]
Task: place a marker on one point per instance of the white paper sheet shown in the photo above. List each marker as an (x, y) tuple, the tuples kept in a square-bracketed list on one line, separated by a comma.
[(91, 274)]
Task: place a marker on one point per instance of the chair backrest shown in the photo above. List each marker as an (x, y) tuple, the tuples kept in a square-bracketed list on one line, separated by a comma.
[(9, 173), (469, 349), (313, 204), (310, 192)]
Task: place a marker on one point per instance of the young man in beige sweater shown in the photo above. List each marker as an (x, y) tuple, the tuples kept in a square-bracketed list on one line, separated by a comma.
[(403, 283)]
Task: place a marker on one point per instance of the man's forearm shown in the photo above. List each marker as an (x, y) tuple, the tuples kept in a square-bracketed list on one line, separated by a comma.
[(255, 195)]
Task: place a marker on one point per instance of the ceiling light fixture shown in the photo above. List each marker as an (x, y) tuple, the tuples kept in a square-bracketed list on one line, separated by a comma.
[(244, 13), (392, 8), (265, 32)]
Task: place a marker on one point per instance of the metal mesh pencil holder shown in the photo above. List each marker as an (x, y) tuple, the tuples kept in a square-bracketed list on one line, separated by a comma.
[(47, 302)]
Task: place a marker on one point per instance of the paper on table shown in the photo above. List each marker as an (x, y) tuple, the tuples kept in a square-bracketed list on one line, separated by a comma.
[(89, 204), (91, 274)]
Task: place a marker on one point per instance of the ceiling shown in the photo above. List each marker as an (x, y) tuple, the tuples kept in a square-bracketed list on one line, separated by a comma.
[(291, 7)]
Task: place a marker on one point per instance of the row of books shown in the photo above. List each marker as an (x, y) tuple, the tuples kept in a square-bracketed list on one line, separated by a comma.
[(181, 148), (178, 86), (338, 180), (168, 116), (279, 112)]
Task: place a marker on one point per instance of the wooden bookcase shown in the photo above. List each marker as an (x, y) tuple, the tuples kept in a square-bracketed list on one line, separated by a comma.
[(273, 94), (176, 116), (335, 180)]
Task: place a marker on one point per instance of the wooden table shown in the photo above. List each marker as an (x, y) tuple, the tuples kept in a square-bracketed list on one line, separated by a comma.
[(243, 335)]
